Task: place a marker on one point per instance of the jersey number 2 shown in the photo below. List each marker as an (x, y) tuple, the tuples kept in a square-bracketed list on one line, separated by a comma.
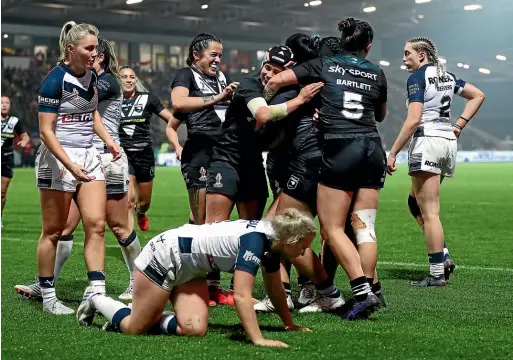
[(353, 108), (445, 109)]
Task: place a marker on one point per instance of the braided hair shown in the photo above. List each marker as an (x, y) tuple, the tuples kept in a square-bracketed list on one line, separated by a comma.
[(428, 46), (356, 35), (199, 44)]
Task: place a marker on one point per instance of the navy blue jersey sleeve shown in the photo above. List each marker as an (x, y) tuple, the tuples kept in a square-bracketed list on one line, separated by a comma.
[(416, 86), (285, 94), (184, 78), (251, 251), (460, 84), (50, 92), (154, 104), (271, 262), (383, 88), (108, 88), (308, 72)]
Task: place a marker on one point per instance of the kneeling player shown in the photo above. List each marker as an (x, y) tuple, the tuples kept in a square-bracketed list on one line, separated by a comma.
[(173, 265)]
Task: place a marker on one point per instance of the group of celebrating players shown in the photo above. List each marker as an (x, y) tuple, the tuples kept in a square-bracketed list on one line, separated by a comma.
[(313, 106)]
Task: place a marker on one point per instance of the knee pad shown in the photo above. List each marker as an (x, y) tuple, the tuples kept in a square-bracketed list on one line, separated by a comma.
[(414, 206), (363, 222)]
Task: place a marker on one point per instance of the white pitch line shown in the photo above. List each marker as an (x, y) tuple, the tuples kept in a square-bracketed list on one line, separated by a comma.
[(466, 267), (386, 263)]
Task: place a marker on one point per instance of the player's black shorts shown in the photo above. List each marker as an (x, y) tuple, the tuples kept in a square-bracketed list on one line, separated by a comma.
[(240, 183), (277, 174), (303, 177), (195, 176), (195, 162), (141, 164), (7, 168), (353, 161)]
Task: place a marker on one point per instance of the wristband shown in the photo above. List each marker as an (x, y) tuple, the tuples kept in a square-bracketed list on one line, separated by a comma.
[(466, 120), (458, 127)]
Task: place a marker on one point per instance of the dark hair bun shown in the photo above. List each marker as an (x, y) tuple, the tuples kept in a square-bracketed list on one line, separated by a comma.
[(347, 26)]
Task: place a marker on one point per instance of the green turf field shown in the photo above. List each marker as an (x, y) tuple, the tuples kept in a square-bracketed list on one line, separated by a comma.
[(471, 318)]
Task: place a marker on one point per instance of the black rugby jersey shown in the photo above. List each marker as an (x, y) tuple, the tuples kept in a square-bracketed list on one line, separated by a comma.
[(11, 126), (136, 113), (353, 89), (207, 121), (238, 139)]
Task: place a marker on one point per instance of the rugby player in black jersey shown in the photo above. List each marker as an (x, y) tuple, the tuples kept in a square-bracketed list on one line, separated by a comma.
[(300, 147), (353, 160), (200, 96), (236, 173), (138, 107), (11, 127)]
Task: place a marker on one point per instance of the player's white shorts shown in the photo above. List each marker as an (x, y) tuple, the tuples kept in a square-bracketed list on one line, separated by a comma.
[(163, 263), (435, 155), (116, 173), (51, 174)]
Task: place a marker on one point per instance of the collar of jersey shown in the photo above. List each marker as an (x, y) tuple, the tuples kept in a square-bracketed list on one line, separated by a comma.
[(68, 69)]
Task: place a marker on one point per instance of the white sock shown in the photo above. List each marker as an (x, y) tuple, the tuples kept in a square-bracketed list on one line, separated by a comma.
[(107, 306), (436, 269), (47, 285), (130, 248), (446, 251), (64, 248)]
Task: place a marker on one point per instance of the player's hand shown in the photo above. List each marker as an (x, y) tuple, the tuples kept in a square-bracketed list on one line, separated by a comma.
[(309, 91), (178, 151), (114, 150), (457, 132), (228, 91), (23, 143), (79, 172), (270, 343), (391, 167), (295, 327)]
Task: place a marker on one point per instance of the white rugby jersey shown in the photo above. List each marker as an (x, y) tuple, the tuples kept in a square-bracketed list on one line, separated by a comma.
[(226, 246), (110, 99), (436, 93), (74, 99)]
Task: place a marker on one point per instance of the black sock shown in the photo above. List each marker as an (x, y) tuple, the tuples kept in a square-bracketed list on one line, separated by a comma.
[(303, 280), (213, 281), (191, 221), (288, 291), (376, 288), (360, 288), (231, 284), (370, 280)]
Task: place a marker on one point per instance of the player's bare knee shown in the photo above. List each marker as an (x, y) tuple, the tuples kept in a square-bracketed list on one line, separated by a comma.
[(363, 222), (194, 326), (95, 227)]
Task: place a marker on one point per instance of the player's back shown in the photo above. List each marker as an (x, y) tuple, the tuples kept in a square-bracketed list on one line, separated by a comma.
[(216, 245), (435, 89), (354, 87)]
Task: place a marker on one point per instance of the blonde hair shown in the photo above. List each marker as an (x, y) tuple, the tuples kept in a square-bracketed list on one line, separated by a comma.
[(139, 87), (72, 33), (428, 46), (292, 225)]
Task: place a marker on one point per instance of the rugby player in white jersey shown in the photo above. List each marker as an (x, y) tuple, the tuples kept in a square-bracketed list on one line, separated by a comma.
[(433, 146), (67, 163), (116, 176), (174, 264)]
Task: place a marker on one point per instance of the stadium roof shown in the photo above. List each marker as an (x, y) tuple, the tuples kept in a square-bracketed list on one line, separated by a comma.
[(466, 37)]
